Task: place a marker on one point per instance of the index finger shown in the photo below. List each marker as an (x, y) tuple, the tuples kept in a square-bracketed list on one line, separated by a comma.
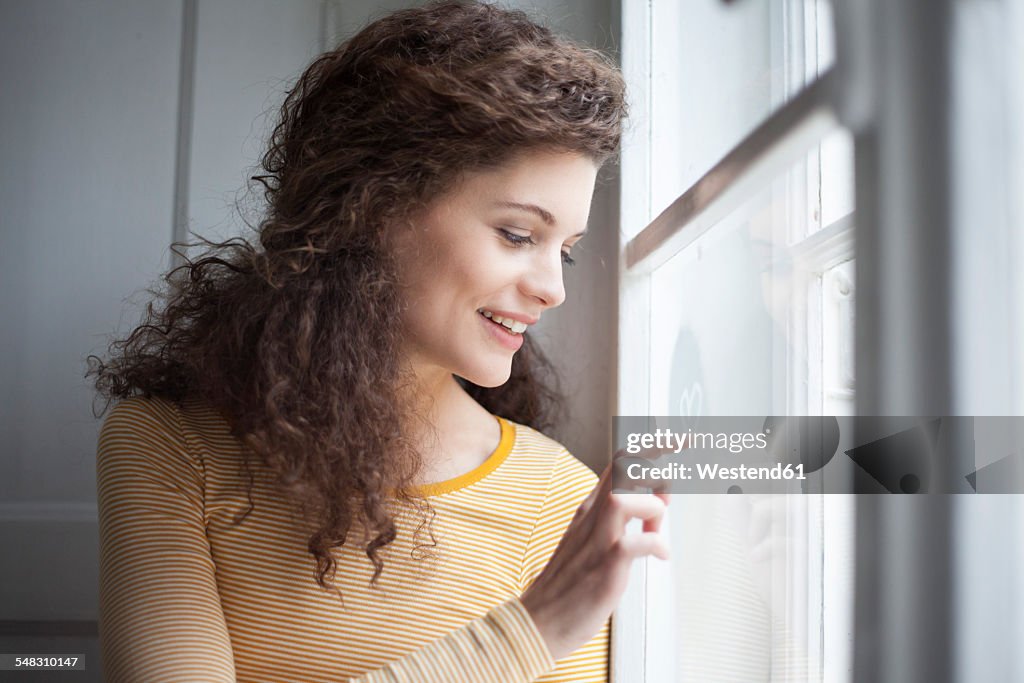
[(605, 482), (624, 483)]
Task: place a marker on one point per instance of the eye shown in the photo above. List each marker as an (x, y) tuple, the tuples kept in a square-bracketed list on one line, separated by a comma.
[(522, 240), (514, 239)]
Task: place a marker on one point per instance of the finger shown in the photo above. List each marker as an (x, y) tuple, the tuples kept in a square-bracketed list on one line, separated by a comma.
[(605, 482), (627, 478), (616, 511), (654, 524), (643, 545)]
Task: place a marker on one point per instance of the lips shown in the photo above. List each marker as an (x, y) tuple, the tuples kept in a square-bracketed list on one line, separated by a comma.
[(504, 336), (508, 322)]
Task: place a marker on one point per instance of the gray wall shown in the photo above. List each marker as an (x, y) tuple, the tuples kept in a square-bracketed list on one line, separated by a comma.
[(97, 157)]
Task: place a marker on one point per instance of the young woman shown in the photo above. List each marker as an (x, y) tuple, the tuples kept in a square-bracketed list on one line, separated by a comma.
[(325, 463)]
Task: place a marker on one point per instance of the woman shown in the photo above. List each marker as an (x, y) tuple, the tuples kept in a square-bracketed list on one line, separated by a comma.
[(325, 462)]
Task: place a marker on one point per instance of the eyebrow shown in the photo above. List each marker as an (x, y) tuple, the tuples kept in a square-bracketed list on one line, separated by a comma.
[(544, 214)]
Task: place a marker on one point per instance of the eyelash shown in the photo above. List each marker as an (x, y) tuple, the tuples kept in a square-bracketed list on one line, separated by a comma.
[(523, 240)]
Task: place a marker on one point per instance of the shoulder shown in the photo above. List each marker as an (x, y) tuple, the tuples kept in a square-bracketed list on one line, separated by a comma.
[(180, 421), (147, 433), (570, 478), (151, 418)]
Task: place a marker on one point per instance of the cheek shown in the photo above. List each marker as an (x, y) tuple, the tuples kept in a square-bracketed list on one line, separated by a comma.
[(497, 263), (466, 269), (476, 268), (419, 323)]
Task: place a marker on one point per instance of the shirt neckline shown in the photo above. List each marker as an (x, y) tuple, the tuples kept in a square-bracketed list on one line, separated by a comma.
[(493, 461)]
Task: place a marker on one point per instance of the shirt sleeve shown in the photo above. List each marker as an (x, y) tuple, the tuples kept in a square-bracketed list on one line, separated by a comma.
[(503, 646), (160, 612), (570, 483)]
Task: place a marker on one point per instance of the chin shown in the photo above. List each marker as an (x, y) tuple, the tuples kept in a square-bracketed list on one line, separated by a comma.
[(488, 377)]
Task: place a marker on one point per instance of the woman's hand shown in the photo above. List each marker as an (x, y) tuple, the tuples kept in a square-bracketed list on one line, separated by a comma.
[(582, 583)]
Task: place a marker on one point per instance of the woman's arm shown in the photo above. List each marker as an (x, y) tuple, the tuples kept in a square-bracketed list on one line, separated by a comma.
[(160, 612), (503, 646)]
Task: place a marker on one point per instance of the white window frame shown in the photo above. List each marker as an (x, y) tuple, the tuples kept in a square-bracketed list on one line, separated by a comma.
[(643, 627)]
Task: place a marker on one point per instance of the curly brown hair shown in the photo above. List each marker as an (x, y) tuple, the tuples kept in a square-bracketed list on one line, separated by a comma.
[(293, 340)]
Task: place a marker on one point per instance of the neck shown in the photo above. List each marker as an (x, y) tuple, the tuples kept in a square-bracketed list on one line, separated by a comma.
[(451, 431)]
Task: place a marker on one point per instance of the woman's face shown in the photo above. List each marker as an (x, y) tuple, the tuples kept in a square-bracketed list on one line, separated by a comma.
[(492, 249)]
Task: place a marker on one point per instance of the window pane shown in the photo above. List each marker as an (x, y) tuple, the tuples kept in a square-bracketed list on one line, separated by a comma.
[(712, 327), (988, 150), (718, 70), (756, 317)]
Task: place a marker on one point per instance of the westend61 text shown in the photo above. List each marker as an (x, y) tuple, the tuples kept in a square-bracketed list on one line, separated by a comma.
[(712, 472)]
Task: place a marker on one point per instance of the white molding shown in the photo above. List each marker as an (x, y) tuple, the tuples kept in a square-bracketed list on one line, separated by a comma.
[(629, 627), (826, 248)]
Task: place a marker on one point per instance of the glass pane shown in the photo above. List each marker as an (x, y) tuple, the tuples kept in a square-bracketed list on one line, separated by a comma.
[(756, 317), (718, 70), (712, 324), (837, 168), (988, 281)]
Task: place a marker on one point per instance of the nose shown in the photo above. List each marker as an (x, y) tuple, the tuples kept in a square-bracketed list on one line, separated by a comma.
[(543, 281)]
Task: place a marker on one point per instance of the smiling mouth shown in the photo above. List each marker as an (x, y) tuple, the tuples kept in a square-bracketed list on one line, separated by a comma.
[(513, 327)]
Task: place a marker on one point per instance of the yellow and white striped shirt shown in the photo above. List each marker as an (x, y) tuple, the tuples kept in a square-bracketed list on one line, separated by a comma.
[(187, 595)]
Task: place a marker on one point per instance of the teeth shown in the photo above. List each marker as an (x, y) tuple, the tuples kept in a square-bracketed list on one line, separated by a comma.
[(513, 326)]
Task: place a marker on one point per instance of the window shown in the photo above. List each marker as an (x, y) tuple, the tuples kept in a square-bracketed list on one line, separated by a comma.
[(743, 290), (748, 312)]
